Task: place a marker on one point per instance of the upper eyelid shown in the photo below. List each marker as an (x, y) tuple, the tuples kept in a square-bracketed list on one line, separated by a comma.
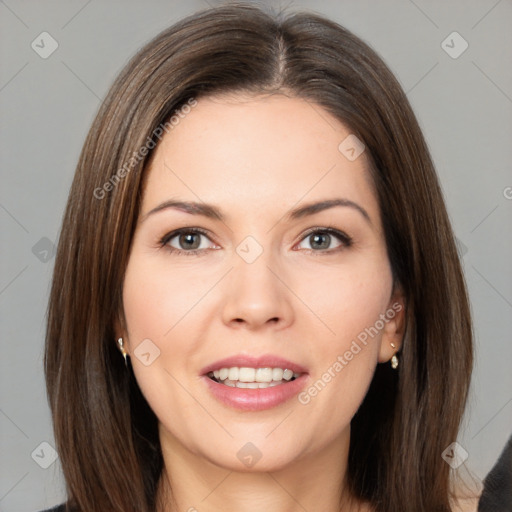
[(176, 232), (343, 237)]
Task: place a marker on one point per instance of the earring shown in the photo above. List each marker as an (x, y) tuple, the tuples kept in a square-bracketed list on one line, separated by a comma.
[(123, 351), (394, 359)]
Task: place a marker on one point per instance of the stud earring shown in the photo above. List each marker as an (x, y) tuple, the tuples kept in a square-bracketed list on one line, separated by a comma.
[(123, 351), (394, 359)]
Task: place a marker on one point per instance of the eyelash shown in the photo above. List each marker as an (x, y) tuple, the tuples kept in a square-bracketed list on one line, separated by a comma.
[(340, 235)]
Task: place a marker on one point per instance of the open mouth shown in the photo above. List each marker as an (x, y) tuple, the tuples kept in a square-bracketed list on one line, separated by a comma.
[(253, 378)]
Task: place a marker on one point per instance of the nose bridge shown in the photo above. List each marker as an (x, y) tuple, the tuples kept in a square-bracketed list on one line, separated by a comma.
[(253, 264), (254, 293)]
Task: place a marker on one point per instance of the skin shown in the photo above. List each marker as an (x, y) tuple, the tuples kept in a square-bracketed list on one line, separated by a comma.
[(257, 158)]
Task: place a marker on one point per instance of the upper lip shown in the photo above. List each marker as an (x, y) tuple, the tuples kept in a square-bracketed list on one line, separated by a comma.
[(248, 361)]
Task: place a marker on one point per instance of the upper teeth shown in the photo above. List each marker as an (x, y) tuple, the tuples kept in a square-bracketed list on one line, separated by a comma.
[(254, 374)]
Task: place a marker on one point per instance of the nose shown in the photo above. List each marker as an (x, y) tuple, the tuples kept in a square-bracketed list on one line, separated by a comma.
[(256, 294)]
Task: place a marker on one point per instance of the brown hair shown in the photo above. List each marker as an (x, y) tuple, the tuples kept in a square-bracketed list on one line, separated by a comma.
[(101, 420)]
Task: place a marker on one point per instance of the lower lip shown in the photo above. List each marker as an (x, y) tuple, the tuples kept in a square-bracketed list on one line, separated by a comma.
[(245, 399)]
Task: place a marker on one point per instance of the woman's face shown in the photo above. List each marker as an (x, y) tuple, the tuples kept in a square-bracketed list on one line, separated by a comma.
[(257, 277)]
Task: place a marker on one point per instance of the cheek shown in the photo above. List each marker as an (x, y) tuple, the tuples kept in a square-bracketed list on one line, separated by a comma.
[(353, 300), (163, 303), (157, 305), (348, 299), (157, 297)]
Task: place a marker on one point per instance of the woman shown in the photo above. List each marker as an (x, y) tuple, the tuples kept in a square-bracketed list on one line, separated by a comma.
[(256, 225)]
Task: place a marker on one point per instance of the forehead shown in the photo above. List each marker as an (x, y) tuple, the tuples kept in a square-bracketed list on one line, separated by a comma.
[(266, 152)]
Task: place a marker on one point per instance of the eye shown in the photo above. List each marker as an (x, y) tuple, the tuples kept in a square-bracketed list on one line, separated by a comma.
[(321, 239), (185, 241)]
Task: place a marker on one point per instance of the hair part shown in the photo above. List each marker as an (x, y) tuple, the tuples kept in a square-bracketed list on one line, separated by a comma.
[(99, 414)]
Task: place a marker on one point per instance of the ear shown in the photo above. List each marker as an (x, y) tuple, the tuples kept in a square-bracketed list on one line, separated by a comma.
[(394, 325)]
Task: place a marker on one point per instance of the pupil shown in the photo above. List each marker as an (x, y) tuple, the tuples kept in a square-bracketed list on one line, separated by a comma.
[(316, 237), (187, 241)]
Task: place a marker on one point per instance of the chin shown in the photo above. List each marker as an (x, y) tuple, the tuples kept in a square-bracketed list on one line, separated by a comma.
[(245, 456)]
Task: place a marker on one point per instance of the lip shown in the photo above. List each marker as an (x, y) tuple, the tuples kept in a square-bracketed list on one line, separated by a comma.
[(245, 399), (247, 361)]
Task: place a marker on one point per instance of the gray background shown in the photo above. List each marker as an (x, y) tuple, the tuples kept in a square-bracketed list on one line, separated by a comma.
[(464, 106)]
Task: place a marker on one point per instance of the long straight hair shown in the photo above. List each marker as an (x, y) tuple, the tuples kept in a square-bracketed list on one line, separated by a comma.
[(408, 417)]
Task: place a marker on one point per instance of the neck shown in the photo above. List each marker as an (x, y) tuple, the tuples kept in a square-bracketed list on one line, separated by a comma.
[(313, 482)]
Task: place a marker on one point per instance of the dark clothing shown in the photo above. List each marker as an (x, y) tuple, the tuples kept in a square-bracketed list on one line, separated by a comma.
[(497, 493)]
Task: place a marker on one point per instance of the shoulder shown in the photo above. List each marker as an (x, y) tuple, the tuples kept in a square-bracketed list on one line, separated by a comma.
[(467, 489), (58, 508), (497, 492), (466, 504)]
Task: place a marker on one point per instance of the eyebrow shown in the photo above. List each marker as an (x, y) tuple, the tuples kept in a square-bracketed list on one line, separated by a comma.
[(212, 212)]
